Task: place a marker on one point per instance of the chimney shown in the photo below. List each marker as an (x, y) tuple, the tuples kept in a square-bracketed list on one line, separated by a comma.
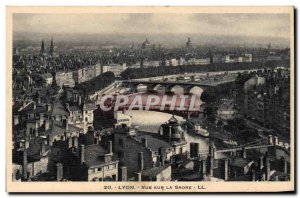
[(253, 175), (39, 101), (122, 173), (96, 140), (59, 171), (75, 142), (161, 152), (192, 145), (244, 154), (41, 115), (67, 106), (48, 107), (203, 169), (261, 162), (140, 161), (275, 140), (210, 165), (16, 120), (25, 175), (47, 123), (70, 143), (50, 140), (283, 165), (36, 130), (79, 100), (138, 176), (268, 170), (212, 150), (75, 97), (225, 169), (144, 142), (81, 153), (107, 158), (26, 142), (196, 150), (110, 149), (170, 133), (65, 124), (43, 147), (270, 139), (266, 158)]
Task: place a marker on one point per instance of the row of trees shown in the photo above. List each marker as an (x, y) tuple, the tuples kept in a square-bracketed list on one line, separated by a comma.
[(96, 84), (161, 71)]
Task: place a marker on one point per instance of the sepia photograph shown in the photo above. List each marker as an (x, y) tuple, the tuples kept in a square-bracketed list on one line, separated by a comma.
[(150, 99)]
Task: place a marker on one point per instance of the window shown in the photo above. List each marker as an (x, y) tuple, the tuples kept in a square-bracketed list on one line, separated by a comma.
[(114, 177), (100, 169)]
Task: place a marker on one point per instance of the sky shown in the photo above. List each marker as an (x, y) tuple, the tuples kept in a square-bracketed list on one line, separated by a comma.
[(256, 25)]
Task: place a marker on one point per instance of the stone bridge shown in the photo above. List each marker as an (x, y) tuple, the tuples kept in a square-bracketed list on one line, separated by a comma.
[(167, 85)]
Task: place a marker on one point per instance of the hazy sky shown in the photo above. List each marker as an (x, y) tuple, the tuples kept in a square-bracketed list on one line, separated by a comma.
[(270, 25)]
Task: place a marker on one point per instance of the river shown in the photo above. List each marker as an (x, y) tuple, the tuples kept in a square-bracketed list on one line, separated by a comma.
[(150, 121)]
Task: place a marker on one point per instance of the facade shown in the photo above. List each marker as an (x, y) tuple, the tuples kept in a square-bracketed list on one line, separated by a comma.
[(265, 100), (117, 69), (87, 73), (47, 79), (140, 151), (65, 78)]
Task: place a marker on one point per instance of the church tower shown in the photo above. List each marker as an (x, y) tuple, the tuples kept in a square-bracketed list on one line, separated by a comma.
[(188, 43), (51, 47), (42, 48)]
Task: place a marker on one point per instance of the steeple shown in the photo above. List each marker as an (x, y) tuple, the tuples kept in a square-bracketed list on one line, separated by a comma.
[(269, 47), (189, 43), (42, 47), (51, 47)]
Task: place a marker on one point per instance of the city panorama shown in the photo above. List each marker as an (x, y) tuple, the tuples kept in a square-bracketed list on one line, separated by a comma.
[(134, 97)]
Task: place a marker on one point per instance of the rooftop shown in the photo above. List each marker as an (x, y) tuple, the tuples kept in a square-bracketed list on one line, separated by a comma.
[(153, 141)]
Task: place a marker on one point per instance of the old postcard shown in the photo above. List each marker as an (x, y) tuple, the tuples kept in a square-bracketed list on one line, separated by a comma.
[(150, 99)]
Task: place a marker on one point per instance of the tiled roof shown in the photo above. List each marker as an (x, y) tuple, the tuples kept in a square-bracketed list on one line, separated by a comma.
[(59, 109), (240, 162), (152, 172), (59, 129), (93, 155), (153, 142)]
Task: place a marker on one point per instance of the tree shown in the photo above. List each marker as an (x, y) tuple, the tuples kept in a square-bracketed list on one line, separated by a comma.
[(208, 96)]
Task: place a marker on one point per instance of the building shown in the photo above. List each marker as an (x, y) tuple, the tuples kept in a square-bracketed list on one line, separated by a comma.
[(188, 43), (140, 151), (30, 158), (65, 78), (47, 79), (202, 61), (174, 135), (173, 62), (152, 63), (87, 73), (146, 44), (218, 58), (93, 163), (117, 69), (264, 97), (122, 119)]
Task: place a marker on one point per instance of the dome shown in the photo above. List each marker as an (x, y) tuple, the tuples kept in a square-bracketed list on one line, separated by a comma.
[(176, 136), (173, 120)]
